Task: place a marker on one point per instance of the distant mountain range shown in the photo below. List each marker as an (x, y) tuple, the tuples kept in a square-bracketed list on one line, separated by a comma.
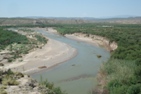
[(120, 16), (68, 20)]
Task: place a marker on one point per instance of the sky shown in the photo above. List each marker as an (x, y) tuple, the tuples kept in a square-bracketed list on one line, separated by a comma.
[(70, 8)]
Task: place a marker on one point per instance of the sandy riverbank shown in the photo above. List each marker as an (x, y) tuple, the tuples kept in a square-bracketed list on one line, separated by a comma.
[(98, 41), (52, 54), (94, 39), (55, 52)]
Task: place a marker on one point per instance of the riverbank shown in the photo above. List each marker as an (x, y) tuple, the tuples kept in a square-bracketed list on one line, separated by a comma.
[(87, 64), (94, 39), (51, 54), (122, 60), (49, 29), (98, 41)]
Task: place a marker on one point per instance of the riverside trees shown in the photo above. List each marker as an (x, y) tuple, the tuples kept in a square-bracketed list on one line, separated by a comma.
[(15, 44), (123, 70)]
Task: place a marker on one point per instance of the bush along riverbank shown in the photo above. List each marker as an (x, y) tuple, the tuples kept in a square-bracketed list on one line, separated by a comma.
[(18, 83), (15, 43), (122, 73)]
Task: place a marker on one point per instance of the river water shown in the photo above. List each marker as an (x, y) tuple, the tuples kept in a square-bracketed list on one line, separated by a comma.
[(78, 75)]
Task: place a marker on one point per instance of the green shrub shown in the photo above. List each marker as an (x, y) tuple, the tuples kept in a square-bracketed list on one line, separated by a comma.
[(2, 91), (9, 72), (9, 81), (1, 64), (114, 83), (138, 61), (57, 90), (134, 89), (19, 74), (10, 59), (118, 90)]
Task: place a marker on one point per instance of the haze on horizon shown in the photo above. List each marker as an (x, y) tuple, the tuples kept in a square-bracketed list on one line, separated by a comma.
[(70, 8)]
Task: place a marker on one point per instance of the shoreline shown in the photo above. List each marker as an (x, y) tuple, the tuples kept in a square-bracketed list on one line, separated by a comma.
[(98, 41), (54, 52), (92, 39), (51, 54), (95, 40)]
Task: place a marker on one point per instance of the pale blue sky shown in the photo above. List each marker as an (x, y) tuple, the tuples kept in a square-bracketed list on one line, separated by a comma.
[(70, 8)]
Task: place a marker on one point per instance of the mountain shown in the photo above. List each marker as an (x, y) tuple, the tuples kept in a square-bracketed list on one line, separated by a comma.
[(66, 20)]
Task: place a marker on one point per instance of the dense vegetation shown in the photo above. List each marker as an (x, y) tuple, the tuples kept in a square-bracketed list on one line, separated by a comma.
[(15, 44), (123, 70), (128, 37), (7, 38)]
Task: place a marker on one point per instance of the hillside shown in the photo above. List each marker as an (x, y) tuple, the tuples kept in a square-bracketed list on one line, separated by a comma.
[(63, 20)]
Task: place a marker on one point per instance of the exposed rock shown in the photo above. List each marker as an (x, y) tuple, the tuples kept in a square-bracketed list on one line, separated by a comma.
[(99, 56)]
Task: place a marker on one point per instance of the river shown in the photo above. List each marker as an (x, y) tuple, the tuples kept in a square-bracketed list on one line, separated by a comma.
[(77, 75)]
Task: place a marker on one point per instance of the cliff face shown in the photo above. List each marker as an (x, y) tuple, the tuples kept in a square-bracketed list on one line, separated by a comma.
[(101, 41), (110, 46)]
